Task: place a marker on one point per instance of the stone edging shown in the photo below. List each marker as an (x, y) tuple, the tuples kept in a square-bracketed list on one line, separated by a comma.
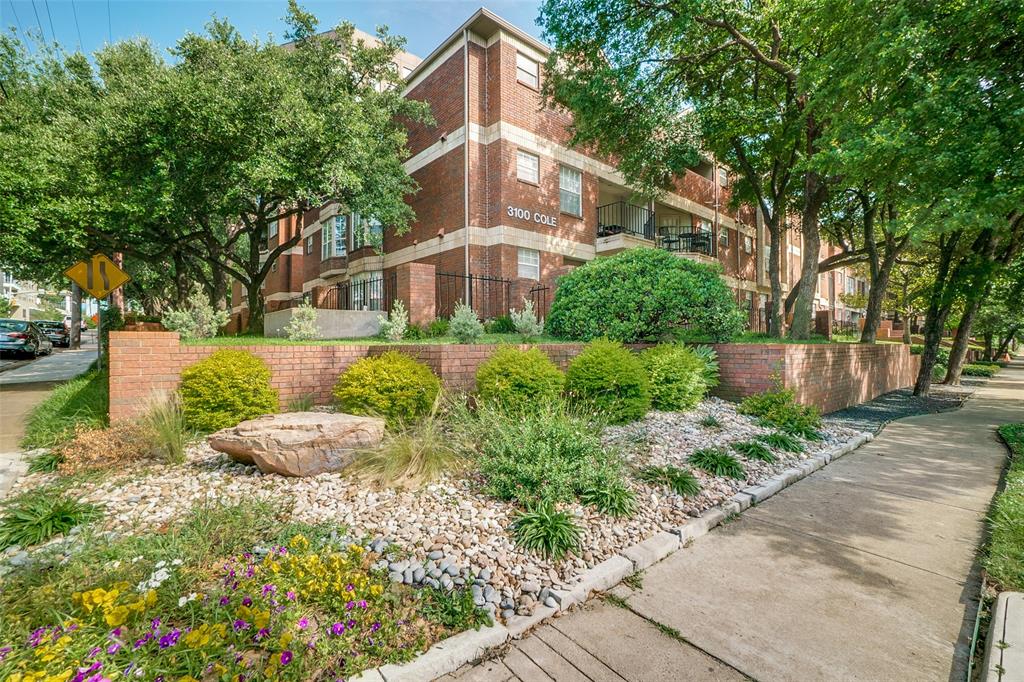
[(450, 654)]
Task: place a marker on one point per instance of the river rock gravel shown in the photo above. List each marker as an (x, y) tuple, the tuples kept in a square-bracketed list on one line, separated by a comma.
[(449, 533)]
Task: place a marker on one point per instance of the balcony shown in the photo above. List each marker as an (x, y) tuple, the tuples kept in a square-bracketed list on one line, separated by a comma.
[(621, 225), (684, 240), (620, 217)]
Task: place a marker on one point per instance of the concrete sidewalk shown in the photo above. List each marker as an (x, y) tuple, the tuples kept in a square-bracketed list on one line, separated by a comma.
[(863, 571)]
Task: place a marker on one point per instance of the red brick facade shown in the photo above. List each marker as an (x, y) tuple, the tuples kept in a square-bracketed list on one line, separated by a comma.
[(830, 377)]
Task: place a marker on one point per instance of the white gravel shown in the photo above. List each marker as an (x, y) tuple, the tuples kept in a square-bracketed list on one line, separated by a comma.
[(450, 520)]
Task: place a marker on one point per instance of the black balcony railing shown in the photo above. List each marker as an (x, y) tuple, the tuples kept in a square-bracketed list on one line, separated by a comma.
[(367, 294), (623, 218), (684, 240)]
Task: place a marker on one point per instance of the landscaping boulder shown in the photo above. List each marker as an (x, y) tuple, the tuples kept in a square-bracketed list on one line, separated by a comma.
[(299, 443)]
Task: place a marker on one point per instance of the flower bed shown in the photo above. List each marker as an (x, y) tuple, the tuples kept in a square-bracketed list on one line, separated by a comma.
[(450, 533)]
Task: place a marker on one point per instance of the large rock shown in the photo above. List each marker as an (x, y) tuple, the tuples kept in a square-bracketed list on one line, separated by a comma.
[(299, 443)]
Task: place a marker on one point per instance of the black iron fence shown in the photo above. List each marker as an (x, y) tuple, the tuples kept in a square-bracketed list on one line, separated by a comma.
[(540, 296), (621, 217), (684, 240), (490, 297), (368, 294)]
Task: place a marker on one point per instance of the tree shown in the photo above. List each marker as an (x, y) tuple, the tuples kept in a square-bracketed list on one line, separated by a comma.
[(239, 134)]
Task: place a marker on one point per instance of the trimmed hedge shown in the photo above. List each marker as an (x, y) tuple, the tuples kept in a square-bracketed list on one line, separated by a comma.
[(676, 376), (643, 295), (391, 385), (226, 388), (608, 379), (517, 378)]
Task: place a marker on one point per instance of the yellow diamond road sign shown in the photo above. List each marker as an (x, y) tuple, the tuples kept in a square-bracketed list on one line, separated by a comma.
[(98, 275)]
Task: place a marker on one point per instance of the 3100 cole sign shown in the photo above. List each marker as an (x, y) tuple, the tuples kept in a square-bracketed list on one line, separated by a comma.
[(535, 216)]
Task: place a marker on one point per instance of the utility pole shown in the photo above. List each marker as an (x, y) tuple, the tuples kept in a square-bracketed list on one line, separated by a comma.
[(76, 316)]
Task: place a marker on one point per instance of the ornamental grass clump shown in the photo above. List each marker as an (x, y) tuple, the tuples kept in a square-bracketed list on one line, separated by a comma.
[(782, 441), (518, 379), (753, 449), (679, 481), (39, 515), (609, 381), (226, 388), (779, 409), (546, 531), (676, 377), (122, 443), (391, 385), (717, 462)]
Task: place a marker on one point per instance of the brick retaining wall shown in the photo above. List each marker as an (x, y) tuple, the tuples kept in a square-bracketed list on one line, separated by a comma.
[(830, 376)]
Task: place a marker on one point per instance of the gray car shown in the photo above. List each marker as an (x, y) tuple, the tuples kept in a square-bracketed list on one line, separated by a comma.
[(23, 338)]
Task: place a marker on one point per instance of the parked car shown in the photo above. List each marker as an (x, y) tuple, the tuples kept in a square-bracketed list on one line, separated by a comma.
[(57, 332), (23, 338)]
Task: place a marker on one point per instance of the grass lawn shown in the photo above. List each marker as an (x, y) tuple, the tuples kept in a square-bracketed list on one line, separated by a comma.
[(83, 400), (371, 341), (1004, 560)]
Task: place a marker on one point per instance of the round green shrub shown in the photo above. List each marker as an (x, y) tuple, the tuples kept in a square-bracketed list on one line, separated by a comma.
[(391, 385), (643, 295), (226, 388), (517, 379), (610, 380), (676, 376)]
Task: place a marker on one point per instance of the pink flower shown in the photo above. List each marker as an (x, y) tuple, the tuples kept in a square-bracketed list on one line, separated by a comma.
[(303, 623)]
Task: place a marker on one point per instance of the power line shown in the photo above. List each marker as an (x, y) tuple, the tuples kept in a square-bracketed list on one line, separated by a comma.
[(36, 12), (78, 28), (46, 3), (17, 19)]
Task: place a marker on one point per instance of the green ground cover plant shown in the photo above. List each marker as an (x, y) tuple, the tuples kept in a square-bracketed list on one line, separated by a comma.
[(676, 376), (71, 405), (464, 325), (1004, 555), (753, 449), (717, 462), (518, 379), (679, 481), (38, 515), (609, 380), (544, 530), (782, 441), (710, 422), (780, 410), (643, 295), (226, 388), (978, 370), (195, 603), (391, 385)]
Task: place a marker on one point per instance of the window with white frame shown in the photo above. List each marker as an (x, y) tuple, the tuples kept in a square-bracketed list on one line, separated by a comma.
[(529, 263), (748, 244), (528, 167), (527, 70), (367, 290), (851, 285), (366, 232), (723, 177), (272, 230), (766, 257), (309, 245), (723, 237), (705, 226), (333, 237), (570, 190)]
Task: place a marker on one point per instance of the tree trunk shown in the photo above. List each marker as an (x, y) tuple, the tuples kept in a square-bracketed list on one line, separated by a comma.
[(935, 317), (220, 288), (961, 341), (76, 317), (803, 309), (254, 299), (1004, 345), (775, 318), (988, 346), (906, 330)]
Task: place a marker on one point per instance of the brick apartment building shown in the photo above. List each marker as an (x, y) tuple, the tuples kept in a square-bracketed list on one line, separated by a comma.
[(505, 206)]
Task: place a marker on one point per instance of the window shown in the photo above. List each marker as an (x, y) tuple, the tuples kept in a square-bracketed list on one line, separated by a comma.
[(368, 290), (723, 237), (272, 230), (367, 232), (333, 237), (309, 245), (528, 167), (748, 244), (723, 177), (851, 285), (765, 256), (570, 188), (748, 299), (527, 70), (705, 226), (529, 263)]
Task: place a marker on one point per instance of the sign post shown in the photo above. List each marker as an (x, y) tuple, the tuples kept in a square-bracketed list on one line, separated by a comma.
[(98, 276)]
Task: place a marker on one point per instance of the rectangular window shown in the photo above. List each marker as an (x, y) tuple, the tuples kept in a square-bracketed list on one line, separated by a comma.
[(527, 70), (333, 237), (529, 263), (748, 298), (272, 230), (851, 285), (358, 286), (309, 245), (723, 177), (570, 188), (528, 167), (767, 250), (705, 226), (748, 244), (724, 237)]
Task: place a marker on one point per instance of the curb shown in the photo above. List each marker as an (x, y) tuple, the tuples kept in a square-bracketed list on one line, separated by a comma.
[(450, 654)]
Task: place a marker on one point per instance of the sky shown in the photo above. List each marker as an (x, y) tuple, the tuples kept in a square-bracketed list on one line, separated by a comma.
[(90, 24)]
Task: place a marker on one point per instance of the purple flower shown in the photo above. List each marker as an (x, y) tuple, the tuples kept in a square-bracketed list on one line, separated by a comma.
[(303, 623), (224, 600), (247, 602), (349, 587), (250, 571), (286, 657), (375, 627), (4, 651), (92, 653), (113, 648), (260, 634), (290, 595), (116, 632), (170, 639), (269, 589), (155, 624), (337, 628), (351, 624), (240, 625), (349, 606), (363, 604)]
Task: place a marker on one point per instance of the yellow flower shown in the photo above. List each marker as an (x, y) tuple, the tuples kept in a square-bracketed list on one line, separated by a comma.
[(299, 542), (376, 590), (116, 616), (261, 619), (286, 639)]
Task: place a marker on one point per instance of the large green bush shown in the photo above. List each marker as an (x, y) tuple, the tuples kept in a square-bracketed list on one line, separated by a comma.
[(643, 295), (226, 388), (676, 375), (391, 385), (518, 379), (610, 380)]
